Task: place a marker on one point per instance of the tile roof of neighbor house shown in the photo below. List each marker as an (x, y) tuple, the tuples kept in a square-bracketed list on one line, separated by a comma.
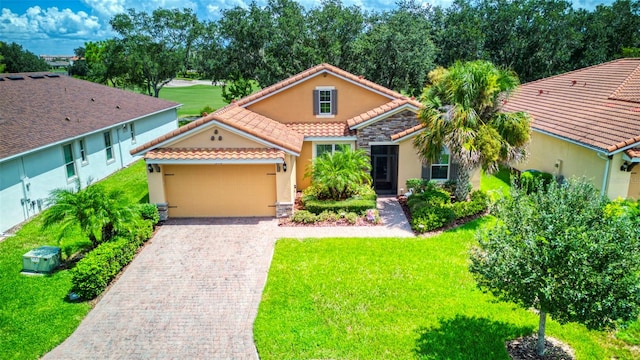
[(598, 106), (214, 154), (287, 136), (43, 109)]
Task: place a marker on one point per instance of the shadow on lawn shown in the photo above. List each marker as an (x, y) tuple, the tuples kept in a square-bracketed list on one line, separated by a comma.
[(465, 337)]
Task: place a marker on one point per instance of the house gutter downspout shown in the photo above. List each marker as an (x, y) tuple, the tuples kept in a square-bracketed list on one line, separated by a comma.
[(607, 165)]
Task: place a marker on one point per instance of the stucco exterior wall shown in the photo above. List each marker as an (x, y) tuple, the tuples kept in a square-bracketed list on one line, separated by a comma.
[(409, 165), (301, 165), (44, 170), (286, 187), (221, 139), (155, 182), (618, 184), (295, 104)]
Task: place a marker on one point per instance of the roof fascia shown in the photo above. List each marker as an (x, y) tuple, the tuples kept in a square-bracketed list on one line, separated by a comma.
[(323, 71), (24, 153), (330, 138), (385, 115), (408, 136), (216, 161)]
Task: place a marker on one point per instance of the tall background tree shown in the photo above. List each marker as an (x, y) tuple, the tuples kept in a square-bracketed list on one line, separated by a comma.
[(461, 111), (565, 252), (16, 59)]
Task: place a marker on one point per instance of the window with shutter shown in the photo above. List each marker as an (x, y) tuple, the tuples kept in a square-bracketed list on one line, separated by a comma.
[(325, 101)]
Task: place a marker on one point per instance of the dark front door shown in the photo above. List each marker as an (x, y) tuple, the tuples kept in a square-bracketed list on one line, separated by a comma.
[(384, 169)]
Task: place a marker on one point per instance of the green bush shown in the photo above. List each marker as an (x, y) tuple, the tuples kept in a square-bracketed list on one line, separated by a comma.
[(328, 216), (436, 196), (431, 217), (304, 216), (415, 202), (479, 201), (206, 110), (351, 217), (531, 180), (91, 276), (358, 206), (149, 212), (421, 185)]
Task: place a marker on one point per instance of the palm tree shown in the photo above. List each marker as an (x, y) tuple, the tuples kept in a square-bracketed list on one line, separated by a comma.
[(338, 175), (461, 111), (99, 214)]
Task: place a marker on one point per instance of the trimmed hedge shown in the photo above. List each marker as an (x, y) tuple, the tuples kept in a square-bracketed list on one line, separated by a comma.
[(359, 206), (427, 215), (478, 203), (531, 180), (91, 275), (149, 212), (431, 217)]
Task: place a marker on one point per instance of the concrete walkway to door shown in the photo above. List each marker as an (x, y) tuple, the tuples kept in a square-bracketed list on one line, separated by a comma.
[(193, 291)]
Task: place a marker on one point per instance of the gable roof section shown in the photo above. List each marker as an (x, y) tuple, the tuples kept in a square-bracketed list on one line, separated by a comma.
[(597, 107), (244, 120), (313, 72), (43, 109), (382, 111)]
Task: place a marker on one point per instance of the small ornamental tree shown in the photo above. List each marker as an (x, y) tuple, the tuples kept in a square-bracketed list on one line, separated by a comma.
[(564, 252), (339, 175)]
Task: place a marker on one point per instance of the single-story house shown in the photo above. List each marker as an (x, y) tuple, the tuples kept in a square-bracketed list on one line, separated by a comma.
[(56, 130), (586, 123), (249, 158)]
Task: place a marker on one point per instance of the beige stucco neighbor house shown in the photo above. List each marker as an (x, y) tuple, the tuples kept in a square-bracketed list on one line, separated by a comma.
[(586, 123), (249, 158)]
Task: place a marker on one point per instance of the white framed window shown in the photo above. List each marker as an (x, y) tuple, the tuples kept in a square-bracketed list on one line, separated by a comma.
[(440, 167), (108, 146), (132, 132), (325, 101), (322, 148), (83, 151), (69, 161)]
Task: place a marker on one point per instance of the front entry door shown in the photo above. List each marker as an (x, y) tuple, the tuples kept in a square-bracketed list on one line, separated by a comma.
[(384, 169)]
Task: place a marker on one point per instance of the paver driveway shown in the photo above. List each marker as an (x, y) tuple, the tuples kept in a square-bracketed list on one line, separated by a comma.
[(192, 293)]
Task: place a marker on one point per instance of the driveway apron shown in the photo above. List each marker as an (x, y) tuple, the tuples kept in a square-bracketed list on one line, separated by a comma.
[(192, 293)]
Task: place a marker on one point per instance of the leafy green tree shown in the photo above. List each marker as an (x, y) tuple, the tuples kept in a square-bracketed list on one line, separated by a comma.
[(397, 50), (156, 46), (458, 33), (79, 67), (2, 65), (236, 88), (16, 59), (339, 175), (98, 213), (561, 252), (106, 63), (462, 112)]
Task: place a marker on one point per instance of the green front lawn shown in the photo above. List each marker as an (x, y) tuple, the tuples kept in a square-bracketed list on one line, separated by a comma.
[(34, 313), (194, 98), (395, 299)]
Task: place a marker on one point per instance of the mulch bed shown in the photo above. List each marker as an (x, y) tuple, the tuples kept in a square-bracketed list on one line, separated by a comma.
[(524, 348), (362, 221)]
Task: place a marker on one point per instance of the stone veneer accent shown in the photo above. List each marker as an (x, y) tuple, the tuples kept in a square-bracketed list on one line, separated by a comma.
[(284, 210), (382, 130)]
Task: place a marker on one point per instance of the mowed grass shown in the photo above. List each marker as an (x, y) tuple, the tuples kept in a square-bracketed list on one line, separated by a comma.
[(34, 314), (395, 299), (194, 98)]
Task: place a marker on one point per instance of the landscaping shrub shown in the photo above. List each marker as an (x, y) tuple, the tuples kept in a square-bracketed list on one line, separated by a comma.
[(304, 216), (149, 212), (206, 110), (351, 217), (415, 202), (358, 206), (436, 196), (531, 180), (478, 203), (431, 217), (92, 274), (328, 216)]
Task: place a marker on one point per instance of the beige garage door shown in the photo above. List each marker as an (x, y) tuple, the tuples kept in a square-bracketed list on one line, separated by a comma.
[(220, 190)]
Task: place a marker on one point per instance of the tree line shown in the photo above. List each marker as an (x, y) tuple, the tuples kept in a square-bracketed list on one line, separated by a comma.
[(396, 48)]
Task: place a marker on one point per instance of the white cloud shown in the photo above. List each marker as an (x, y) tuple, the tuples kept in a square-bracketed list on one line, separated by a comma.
[(107, 8), (50, 23)]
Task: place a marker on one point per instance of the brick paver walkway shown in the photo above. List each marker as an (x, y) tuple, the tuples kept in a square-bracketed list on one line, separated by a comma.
[(194, 290)]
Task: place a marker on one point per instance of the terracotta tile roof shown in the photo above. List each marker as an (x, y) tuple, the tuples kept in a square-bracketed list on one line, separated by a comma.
[(242, 119), (316, 70), (598, 106), (322, 129), (633, 153), (214, 154), (392, 105), (35, 109), (407, 132)]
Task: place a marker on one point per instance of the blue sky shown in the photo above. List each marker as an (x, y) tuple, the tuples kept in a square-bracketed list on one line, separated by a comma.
[(56, 27)]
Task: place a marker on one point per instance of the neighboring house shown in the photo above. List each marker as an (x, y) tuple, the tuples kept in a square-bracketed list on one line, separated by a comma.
[(55, 130), (586, 123), (249, 158)]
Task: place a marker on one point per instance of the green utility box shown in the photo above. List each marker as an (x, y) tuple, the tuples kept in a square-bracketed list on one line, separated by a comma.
[(43, 260)]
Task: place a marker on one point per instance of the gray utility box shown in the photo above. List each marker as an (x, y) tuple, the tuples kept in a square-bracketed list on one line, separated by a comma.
[(44, 259)]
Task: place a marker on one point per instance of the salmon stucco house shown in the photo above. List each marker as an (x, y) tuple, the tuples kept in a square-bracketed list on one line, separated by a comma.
[(586, 123), (249, 158)]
